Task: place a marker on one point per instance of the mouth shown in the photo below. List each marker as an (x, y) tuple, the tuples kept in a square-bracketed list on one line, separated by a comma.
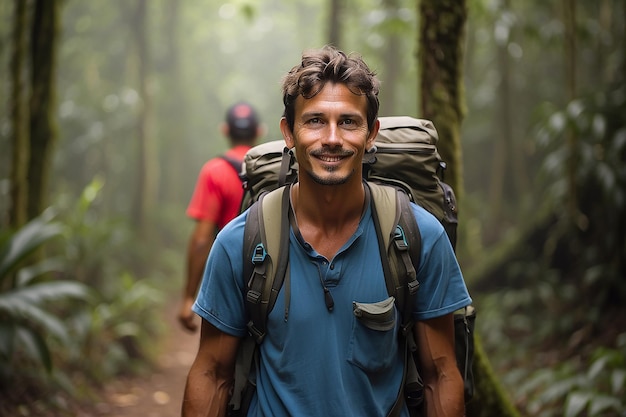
[(330, 158)]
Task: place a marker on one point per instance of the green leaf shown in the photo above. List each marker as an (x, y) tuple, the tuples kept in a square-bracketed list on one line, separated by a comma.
[(25, 241), (7, 339), (600, 403), (36, 347), (575, 403), (26, 315), (597, 366), (27, 274), (557, 122), (127, 329), (618, 377), (598, 125), (52, 291), (559, 389)]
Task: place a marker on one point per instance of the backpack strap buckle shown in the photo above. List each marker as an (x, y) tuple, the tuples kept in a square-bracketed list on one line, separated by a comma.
[(257, 334), (259, 254), (399, 239), (255, 291), (253, 296)]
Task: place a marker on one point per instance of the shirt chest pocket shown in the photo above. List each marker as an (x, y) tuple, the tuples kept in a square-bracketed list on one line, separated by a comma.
[(373, 342)]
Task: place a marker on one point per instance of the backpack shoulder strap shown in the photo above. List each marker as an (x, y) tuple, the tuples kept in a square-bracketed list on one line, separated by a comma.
[(233, 162), (266, 238), (400, 245), (266, 256)]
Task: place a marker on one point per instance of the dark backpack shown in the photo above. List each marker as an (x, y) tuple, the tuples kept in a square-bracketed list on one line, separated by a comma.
[(406, 157), (233, 162), (408, 167)]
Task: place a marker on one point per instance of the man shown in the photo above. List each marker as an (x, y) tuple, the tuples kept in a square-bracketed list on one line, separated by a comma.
[(316, 360), (216, 199)]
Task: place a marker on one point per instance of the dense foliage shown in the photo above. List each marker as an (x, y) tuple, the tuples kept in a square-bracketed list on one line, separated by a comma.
[(571, 273), (71, 314)]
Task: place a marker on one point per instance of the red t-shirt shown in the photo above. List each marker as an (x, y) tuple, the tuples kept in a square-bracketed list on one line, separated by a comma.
[(218, 193)]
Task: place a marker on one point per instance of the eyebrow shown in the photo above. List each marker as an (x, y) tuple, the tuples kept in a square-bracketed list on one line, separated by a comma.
[(308, 115), (342, 116)]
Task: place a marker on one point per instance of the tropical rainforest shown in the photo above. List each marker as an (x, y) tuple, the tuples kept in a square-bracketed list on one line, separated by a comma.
[(109, 109)]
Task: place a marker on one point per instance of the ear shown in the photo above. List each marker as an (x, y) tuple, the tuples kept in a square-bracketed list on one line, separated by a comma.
[(224, 129), (287, 133), (371, 139), (261, 130)]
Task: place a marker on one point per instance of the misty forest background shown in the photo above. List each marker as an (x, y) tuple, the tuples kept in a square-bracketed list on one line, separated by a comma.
[(109, 109)]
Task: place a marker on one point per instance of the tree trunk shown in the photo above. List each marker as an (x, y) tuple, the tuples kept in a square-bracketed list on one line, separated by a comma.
[(173, 133), (569, 20), (442, 27), (334, 22), (622, 73), (147, 166), (43, 130), (391, 59), (502, 143), (507, 151), (440, 52), (19, 114), (489, 399)]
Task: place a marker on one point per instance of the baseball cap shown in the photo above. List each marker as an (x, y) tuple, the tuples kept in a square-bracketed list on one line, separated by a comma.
[(242, 120)]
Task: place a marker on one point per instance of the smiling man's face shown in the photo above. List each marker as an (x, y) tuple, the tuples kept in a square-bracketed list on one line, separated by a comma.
[(330, 135)]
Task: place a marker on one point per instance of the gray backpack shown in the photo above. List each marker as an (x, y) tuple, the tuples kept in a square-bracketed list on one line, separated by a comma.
[(405, 167), (406, 158)]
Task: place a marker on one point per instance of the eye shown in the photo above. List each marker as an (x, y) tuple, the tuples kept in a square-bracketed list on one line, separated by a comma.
[(349, 124)]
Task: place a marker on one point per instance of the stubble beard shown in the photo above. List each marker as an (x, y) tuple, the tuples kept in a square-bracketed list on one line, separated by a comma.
[(329, 180)]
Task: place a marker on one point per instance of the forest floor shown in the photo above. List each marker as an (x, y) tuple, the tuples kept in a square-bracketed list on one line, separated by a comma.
[(160, 393)]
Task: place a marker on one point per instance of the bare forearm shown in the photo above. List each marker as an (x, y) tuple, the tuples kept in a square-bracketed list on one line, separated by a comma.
[(196, 259), (198, 249), (445, 397), (211, 375), (200, 243), (442, 380), (206, 395)]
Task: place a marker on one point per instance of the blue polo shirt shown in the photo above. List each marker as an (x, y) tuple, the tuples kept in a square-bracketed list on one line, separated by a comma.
[(321, 362)]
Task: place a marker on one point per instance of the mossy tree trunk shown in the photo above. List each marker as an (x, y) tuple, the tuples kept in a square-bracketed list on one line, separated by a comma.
[(19, 118), (173, 135), (147, 166), (391, 61), (489, 399), (43, 130), (441, 39), (569, 22), (335, 11), (440, 59)]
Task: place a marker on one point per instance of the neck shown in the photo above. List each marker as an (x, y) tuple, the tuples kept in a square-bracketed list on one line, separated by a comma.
[(327, 218), (328, 204)]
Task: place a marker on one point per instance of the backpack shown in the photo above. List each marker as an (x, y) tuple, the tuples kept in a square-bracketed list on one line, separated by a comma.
[(405, 167), (406, 157), (233, 162)]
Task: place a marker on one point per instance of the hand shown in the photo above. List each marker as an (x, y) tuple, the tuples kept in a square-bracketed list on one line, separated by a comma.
[(186, 316)]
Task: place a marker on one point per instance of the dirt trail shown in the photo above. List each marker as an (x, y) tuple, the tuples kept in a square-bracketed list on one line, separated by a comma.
[(159, 394)]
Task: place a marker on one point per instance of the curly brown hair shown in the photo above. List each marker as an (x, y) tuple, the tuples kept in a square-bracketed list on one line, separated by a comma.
[(328, 64)]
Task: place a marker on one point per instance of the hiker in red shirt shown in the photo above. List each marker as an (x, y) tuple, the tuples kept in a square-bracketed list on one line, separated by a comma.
[(216, 199)]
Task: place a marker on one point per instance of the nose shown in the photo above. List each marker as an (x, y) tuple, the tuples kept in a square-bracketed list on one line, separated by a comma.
[(333, 137)]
